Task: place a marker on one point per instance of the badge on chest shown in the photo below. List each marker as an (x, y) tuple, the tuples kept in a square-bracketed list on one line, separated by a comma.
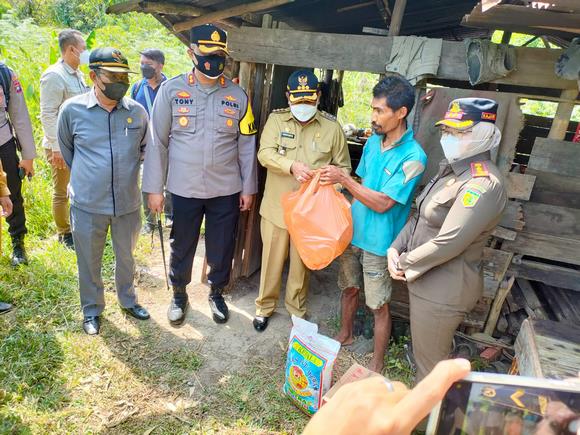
[(284, 136)]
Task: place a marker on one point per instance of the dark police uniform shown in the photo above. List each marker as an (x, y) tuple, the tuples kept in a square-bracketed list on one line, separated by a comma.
[(204, 151), (14, 119), (441, 247)]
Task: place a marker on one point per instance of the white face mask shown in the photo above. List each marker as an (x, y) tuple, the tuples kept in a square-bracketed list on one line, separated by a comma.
[(452, 147), (303, 112), (84, 57)]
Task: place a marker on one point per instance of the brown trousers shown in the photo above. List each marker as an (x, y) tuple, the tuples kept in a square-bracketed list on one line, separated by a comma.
[(433, 326), (60, 205)]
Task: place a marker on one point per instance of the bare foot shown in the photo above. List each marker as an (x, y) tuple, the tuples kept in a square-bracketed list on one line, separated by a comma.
[(344, 338), (377, 365)]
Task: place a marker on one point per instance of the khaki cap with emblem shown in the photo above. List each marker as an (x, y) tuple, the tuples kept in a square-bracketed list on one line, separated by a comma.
[(109, 59)]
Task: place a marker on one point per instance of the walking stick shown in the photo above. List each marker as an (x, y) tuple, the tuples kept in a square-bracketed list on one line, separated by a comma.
[(160, 228)]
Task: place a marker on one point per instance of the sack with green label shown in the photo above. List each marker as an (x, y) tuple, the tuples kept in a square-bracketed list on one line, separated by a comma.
[(309, 365)]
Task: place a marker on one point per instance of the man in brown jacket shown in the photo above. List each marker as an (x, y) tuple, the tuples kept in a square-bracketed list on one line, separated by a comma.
[(5, 210)]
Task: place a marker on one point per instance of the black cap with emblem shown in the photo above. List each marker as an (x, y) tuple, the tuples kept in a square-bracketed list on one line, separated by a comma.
[(302, 86), (209, 39), (464, 113), (109, 59)]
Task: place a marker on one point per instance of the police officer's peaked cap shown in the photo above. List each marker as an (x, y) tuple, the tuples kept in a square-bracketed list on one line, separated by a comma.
[(109, 59), (302, 86), (209, 39), (464, 113)]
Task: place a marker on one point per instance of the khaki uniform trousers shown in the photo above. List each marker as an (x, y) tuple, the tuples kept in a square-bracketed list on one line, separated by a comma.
[(276, 248), (60, 207), (433, 326)]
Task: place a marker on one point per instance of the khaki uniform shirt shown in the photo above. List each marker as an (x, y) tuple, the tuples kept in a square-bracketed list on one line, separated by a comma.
[(284, 140), (204, 140), (442, 249), (17, 114), (3, 184), (57, 84)]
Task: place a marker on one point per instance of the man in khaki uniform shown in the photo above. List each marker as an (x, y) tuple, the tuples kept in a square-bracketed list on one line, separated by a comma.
[(295, 141), (439, 251), (58, 83), (5, 210)]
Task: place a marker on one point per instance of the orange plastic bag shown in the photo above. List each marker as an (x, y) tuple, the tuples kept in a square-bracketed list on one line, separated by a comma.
[(319, 221)]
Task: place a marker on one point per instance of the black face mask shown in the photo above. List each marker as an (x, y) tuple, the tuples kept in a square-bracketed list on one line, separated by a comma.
[(211, 66), (114, 91), (148, 71)]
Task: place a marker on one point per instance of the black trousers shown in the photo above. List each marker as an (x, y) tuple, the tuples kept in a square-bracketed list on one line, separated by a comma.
[(17, 220), (221, 221)]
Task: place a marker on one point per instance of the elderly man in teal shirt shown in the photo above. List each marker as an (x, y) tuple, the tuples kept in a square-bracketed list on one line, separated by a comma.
[(390, 169)]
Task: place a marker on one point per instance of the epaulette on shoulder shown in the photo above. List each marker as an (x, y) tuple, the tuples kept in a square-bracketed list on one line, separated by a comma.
[(282, 110), (178, 76), (479, 169), (328, 116)]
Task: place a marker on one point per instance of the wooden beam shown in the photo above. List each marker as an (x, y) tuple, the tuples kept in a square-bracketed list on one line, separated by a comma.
[(231, 12), (556, 156), (123, 8), (563, 115), (505, 16), (559, 276), (172, 9), (397, 17), (500, 297), (169, 25), (535, 66)]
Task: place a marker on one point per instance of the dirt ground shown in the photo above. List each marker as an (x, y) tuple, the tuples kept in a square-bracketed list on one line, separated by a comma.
[(228, 348)]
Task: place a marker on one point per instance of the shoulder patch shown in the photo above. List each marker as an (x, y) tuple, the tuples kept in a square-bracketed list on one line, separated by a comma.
[(247, 123), (283, 110), (470, 198), (412, 168), (479, 169), (327, 115)]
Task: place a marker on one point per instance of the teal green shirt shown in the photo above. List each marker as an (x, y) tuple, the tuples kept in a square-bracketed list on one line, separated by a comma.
[(396, 173)]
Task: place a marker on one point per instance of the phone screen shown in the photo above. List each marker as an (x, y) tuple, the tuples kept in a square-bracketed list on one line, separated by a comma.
[(472, 408)]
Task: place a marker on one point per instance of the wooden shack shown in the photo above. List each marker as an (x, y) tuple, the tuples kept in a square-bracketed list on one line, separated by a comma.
[(538, 239)]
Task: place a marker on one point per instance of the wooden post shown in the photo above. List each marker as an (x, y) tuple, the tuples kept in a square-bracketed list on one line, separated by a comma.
[(563, 114), (500, 297), (397, 17)]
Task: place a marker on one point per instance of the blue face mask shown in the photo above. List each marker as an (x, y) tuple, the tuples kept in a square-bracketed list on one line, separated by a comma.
[(211, 66), (451, 147)]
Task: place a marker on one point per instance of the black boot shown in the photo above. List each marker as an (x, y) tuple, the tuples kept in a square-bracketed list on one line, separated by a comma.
[(218, 306), (18, 251), (67, 240), (178, 306), (5, 308)]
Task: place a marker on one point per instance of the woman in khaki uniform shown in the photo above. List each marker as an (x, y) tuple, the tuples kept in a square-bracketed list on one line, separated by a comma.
[(6, 210), (439, 251)]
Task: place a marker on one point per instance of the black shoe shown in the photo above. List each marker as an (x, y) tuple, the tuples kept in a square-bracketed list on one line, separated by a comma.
[(18, 252), (91, 325), (218, 306), (5, 308), (137, 311), (260, 323), (178, 307), (67, 240)]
